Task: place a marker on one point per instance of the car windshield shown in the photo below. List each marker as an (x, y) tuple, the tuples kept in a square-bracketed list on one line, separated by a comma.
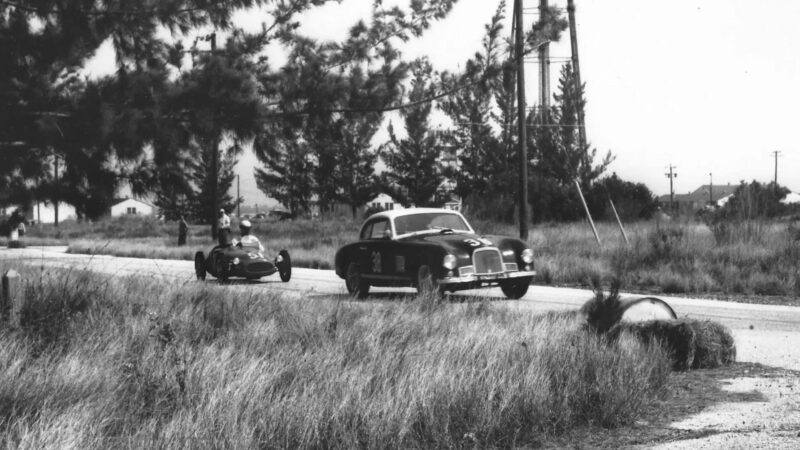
[(435, 221)]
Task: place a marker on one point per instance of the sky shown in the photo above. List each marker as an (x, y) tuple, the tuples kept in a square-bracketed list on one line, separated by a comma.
[(708, 86)]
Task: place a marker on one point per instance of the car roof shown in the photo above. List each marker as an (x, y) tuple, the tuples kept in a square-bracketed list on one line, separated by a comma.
[(395, 213)]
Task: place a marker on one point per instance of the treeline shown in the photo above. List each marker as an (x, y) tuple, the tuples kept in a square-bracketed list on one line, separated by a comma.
[(173, 118)]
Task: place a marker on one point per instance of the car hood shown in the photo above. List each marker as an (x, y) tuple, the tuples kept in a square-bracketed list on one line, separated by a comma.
[(457, 243)]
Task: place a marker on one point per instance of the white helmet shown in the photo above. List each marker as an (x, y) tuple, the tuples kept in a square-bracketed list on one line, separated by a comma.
[(245, 224)]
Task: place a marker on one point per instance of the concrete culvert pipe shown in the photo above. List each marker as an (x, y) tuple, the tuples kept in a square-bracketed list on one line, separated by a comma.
[(646, 308)]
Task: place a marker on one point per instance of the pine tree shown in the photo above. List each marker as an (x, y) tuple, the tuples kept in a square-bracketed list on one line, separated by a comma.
[(329, 93), (414, 170)]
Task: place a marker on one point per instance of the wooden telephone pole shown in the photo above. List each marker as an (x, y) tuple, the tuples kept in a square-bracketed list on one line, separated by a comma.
[(519, 54), (214, 185), (576, 67), (671, 174)]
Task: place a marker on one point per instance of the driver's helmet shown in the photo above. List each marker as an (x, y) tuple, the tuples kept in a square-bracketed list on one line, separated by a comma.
[(245, 225)]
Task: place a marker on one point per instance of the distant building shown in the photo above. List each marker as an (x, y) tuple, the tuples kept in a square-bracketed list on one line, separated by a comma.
[(45, 212), (716, 195), (384, 202), (792, 198), (131, 207)]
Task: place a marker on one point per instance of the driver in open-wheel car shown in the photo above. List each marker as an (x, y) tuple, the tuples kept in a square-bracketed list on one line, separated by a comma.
[(244, 259)]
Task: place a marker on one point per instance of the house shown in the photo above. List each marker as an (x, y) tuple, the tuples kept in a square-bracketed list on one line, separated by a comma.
[(384, 202), (45, 212), (791, 198), (696, 200), (131, 206)]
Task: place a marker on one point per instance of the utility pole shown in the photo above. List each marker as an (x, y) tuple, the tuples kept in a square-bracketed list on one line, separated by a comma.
[(671, 174), (214, 163), (519, 56), (238, 198), (56, 190), (544, 65), (776, 153), (710, 189), (573, 38)]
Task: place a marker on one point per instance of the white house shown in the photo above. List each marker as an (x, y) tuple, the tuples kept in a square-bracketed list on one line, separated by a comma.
[(791, 198), (385, 202), (131, 206), (45, 212)]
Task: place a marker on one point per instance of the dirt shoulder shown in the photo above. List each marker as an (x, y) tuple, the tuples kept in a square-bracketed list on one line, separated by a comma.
[(745, 405)]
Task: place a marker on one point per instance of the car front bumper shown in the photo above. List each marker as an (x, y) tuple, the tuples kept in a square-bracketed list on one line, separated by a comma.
[(484, 279)]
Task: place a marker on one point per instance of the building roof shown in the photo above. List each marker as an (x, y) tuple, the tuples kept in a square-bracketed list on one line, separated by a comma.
[(117, 201), (701, 194)]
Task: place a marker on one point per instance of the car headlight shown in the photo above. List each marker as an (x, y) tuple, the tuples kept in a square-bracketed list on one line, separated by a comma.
[(527, 256), (235, 261), (449, 261), (278, 259)]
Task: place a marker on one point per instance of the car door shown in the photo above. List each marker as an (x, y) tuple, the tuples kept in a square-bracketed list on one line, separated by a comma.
[(379, 250)]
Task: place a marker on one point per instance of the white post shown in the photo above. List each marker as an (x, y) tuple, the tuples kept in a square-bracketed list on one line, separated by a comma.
[(12, 296)]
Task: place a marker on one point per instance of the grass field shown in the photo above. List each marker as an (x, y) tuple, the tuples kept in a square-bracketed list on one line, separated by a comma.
[(104, 362), (756, 260)]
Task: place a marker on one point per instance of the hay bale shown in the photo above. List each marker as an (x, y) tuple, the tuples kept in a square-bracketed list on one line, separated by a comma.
[(691, 344), (715, 345), (676, 336)]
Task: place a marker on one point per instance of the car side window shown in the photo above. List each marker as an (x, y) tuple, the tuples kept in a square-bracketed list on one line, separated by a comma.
[(365, 232), (379, 229)]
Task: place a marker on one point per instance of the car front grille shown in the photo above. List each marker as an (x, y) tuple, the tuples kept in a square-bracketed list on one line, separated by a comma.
[(487, 260)]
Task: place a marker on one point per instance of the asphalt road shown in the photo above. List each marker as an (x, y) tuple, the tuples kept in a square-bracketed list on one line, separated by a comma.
[(766, 334)]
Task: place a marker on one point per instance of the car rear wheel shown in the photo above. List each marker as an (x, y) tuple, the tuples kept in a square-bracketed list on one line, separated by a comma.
[(221, 268), (356, 285), (516, 288), (200, 265), (285, 266), (426, 282)]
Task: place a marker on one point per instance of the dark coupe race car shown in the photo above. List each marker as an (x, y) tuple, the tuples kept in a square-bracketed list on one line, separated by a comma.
[(233, 261), (435, 250)]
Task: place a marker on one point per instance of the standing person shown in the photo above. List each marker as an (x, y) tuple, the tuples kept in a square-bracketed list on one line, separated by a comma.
[(224, 231), (183, 227)]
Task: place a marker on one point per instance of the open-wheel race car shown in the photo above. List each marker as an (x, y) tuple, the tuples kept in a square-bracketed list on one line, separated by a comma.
[(224, 262), (434, 250)]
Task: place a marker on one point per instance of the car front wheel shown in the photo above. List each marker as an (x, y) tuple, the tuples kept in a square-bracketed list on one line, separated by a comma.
[(285, 266), (516, 288), (356, 285)]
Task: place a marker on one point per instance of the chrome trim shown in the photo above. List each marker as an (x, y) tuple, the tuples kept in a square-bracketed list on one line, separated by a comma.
[(492, 277), (479, 251)]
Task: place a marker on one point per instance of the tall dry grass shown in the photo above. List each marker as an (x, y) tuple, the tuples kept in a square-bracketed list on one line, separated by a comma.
[(103, 362)]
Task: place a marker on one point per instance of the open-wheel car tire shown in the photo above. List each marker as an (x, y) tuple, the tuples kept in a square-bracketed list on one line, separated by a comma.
[(200, 265), (285, 266), (356, 285), (516, 288)]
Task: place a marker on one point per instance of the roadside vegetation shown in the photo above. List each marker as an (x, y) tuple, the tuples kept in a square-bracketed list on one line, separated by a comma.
[(741, 258), (101, 362)]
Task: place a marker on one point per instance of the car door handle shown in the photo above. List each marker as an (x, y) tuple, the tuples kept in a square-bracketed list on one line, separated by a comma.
[(362, 248)]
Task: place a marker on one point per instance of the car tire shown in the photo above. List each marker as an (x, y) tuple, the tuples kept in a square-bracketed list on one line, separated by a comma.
[(516, 288), (285, 266), (200, 266), (355, 283), (426, 283), (219, 267)]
